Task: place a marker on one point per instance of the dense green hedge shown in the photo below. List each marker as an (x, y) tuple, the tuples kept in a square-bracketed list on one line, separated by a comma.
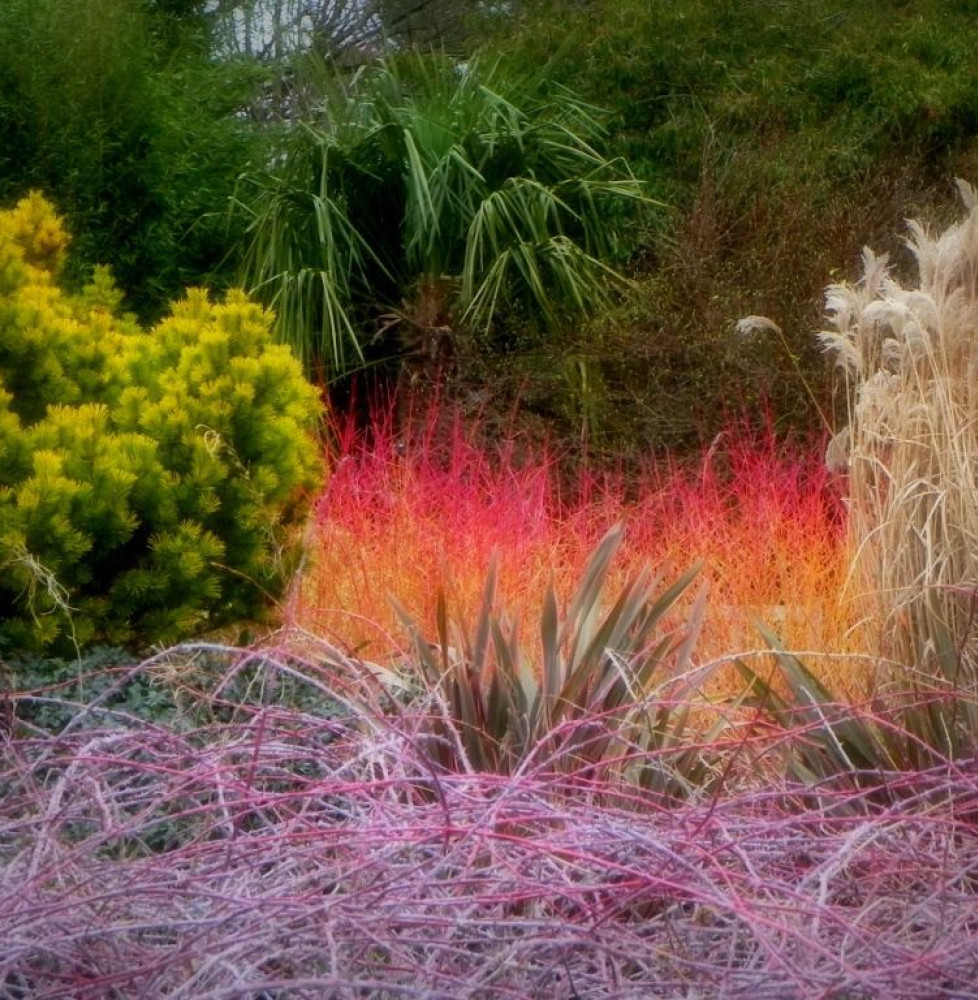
[(783, 137), (115, 111)]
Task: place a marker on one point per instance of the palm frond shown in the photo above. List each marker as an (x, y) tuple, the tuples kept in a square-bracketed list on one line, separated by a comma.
[(415, 170)]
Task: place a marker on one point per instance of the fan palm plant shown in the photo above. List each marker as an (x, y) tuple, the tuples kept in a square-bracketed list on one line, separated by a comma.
[(422, 174)]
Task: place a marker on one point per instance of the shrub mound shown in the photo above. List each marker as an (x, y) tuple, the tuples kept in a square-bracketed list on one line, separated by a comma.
[(148, 479)]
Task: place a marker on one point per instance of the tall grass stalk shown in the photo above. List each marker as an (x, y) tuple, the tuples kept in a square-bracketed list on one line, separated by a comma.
[(911, 358)]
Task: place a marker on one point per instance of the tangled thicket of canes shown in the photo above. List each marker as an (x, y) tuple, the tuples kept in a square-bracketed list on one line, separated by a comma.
[(287, 856)]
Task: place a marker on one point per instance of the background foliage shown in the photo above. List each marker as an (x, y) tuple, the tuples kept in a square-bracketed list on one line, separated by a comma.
[(783, 137), (114, 110)]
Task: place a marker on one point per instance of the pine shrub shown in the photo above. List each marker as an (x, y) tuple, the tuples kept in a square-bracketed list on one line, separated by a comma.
[(150, 480)]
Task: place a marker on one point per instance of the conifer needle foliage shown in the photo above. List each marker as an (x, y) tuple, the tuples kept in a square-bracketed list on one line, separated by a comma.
[(424, 173), (148, 479)]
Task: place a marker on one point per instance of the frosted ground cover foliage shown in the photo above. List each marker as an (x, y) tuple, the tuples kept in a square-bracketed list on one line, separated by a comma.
[(282, 855)]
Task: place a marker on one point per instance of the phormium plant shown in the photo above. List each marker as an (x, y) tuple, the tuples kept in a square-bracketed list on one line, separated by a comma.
[(614, 693)]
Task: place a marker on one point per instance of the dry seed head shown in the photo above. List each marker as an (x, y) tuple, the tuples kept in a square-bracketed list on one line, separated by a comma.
[(750, 326), (911, 355)]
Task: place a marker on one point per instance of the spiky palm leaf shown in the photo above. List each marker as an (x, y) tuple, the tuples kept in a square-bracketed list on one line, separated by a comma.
[(421, 169), (612, 688)]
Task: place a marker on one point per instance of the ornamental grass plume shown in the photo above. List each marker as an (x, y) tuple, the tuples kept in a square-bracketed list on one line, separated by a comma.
[(910, 356)]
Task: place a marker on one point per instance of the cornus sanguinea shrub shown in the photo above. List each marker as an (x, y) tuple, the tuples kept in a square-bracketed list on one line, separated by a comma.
[(150, 480), (423, 513)]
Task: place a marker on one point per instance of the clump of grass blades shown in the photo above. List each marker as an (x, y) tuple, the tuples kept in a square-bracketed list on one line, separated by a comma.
[(613, 692), (857, 744), (282, 854), (911, 359)]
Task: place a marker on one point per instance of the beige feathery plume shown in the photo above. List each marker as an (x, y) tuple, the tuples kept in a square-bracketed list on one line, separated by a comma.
[(910, 356)]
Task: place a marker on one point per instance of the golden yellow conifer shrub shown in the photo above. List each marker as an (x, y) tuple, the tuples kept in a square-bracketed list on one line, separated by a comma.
[(151, 481)]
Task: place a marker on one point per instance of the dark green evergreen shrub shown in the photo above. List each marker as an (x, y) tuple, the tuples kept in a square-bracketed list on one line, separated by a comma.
[(50, 691), (150, 481), (189, 685), (116, 111)]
